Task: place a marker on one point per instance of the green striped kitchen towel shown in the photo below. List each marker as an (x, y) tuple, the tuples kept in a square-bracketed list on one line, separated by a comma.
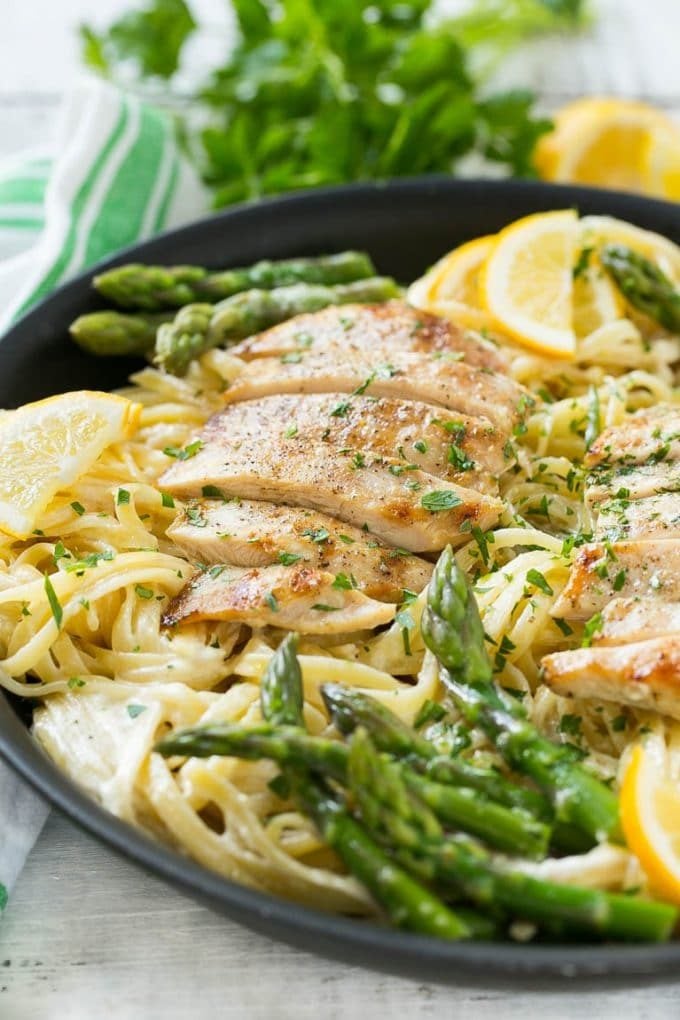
[(114, 175)]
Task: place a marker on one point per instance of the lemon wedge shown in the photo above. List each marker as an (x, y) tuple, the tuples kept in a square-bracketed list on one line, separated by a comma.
[(661, 163), (604, 142), (526, 282), (451, 287), (46, 446), (650, 816), (595, 231)]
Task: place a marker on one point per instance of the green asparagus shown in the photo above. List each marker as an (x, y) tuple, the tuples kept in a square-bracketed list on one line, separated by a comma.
[(643, 284), (453, 631), (507, 829), (110, 333), (152, 288), (407, 903), (281, 694), (351, 708), (191, 334), (402, 821)]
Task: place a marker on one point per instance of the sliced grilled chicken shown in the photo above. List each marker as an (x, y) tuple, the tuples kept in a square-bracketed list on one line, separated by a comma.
[(247, 454), (468, 451), (644, 675), (429, 378), (649, 436), (373, 330), (631, 481), (625, 621), (642, 569), (250, 533), (655, 517), (296, 598)]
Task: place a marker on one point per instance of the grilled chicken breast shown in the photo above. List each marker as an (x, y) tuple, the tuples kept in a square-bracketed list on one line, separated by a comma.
[(631, 481), (297, 598), (649, 436), (639, 569), (628, 620), (371, 330), (249, 533), (644, 675), (654, 517), (468, 451), (407, 375), (246, 453)]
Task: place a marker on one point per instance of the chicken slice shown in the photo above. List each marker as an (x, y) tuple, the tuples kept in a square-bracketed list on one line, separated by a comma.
[(296, 598), (250, 533), (429, 378), (631, 481), (655, 517), (371, 330), (642, 569), (645, 675), (649, 436), (246, 453), (468, 451), (628, 620)]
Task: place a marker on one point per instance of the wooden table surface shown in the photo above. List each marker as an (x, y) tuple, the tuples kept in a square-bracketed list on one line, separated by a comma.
[(87, 934)]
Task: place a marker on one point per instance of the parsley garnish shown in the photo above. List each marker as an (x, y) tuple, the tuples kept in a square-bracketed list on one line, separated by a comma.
[(439, 500), (185, 453), (344, 582), (55, 604), (75, 681), (134, 710), (142, 592), (538, 580), (167, 501), (78, 508), (317, 534), (212, 492), (272, 601), (288, 559), (321, 607), (195, 517), (593, 625), (123, 497)]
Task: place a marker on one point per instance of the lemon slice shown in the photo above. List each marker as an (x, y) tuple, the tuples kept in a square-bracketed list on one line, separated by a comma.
[(597, 300), (46, 446), (451, 287), (600, 141), (526, 283), (650, 816)]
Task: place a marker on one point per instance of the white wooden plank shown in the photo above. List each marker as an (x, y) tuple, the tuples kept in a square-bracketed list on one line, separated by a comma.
[(87, 935)]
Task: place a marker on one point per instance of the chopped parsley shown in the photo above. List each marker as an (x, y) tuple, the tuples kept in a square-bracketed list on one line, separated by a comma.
[(321, 607), (167, 501), (272, 601), (439, 500), (347, 540), (593, 625), (340, 410), (344, 582), (421, 446), (293, 358), (571, 725), (142, 592), (538, 580), (123, 497), (288, 559), (186, 452), (619, 580), (55, 604), (134, 710), (78, 508), (563, 626), (317, 534), (291, 431), (429, 711), (75, 681), (459, 459), (195, 517), (211, 491)]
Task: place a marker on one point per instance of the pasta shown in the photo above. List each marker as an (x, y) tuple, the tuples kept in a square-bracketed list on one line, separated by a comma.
[(112, 680)]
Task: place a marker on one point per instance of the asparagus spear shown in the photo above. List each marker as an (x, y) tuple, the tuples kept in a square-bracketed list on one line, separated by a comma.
[(350, 708), (112, 333), (407, 903), (193, 333), (399, 818), (453, 631), (152, 288), (643, 284), (281, 694), (510, 830)]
